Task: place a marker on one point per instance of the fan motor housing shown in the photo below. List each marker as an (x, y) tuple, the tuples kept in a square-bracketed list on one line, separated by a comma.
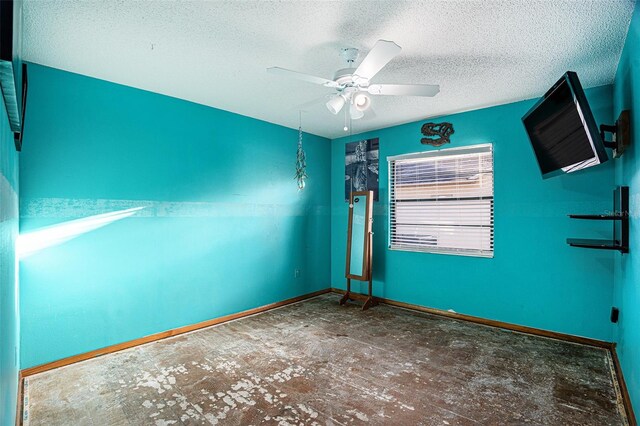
[(343, 76)]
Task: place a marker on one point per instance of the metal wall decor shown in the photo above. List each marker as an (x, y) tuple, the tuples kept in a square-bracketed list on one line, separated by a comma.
[(301, 160), (437, 134)]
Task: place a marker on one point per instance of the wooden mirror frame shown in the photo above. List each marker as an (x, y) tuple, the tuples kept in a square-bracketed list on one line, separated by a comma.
[(367, 253)]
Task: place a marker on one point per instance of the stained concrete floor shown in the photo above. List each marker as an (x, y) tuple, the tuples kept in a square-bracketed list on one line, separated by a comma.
[(317, 363)]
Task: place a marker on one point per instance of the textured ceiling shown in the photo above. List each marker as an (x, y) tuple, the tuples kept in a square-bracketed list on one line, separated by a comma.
[(216, 53)]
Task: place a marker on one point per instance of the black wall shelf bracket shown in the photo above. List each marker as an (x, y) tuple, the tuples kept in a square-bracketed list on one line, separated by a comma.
[(620, 219), (620, 132)]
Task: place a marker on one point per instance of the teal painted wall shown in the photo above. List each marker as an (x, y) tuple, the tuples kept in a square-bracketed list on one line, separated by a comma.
[(9, 309), (223, 228), (627, 267), (535, 278)]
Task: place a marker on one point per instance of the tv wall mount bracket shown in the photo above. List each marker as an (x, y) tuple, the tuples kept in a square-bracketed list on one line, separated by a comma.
[(621, 134)]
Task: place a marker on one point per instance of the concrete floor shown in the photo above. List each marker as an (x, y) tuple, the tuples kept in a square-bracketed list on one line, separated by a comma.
[(318, 363)]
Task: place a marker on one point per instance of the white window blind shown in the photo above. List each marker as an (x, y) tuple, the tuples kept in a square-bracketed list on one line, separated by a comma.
[(442, 201)]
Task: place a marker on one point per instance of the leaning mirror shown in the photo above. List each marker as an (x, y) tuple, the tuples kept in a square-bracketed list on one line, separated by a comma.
[(358, 235), (359, 243)]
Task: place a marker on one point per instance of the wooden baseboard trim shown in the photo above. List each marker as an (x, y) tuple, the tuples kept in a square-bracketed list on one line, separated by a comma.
[(20, 401), (493, 323), (623, 388), (165, 334)]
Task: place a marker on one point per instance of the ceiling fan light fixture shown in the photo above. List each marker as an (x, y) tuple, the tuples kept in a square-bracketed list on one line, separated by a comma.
[(352, 85), (335, 104), (361, 101)]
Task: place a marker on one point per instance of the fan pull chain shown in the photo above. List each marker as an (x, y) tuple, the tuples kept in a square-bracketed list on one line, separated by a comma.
[(345, 120)]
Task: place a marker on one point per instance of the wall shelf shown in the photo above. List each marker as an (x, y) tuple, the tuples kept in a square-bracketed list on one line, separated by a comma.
[(620, 219), (595, 216), (596, 244)]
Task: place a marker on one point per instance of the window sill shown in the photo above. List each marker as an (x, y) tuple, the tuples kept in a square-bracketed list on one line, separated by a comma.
[(488, 255)]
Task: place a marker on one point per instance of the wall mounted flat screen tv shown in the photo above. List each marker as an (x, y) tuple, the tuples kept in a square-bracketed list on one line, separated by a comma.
[(13, 78), (562, 130)]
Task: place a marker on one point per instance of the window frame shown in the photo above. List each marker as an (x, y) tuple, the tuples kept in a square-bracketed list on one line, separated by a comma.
[(468, 149)]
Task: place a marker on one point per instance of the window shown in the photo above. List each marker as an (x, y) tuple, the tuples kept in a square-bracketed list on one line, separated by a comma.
[(442, 201)]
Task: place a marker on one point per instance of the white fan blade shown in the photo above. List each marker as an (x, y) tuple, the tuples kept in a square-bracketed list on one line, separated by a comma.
[(379, 56), (302, 76), (355, 113), (404, 89), (370, 113)]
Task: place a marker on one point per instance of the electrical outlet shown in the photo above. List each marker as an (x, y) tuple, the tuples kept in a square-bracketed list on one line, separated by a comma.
[(296, 273)]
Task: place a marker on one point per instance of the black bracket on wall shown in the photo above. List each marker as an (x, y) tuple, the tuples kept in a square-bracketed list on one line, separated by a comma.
[(17, 136), (621, 132), (615, 314), (620, 218)]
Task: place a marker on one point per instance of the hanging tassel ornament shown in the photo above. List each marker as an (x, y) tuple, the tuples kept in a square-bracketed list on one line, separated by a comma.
[(301, 160)]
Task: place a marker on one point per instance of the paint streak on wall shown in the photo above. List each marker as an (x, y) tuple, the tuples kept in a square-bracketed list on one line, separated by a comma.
[(222, 226)]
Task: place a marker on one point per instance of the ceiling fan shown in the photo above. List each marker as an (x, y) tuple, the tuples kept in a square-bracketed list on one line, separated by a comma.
[(353, 85)]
